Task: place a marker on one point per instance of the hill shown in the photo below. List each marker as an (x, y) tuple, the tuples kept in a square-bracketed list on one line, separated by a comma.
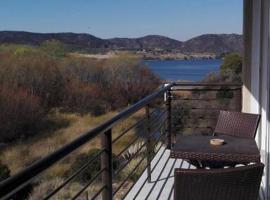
[(214, 43), (147, 42), (73, 39), (208, 43)]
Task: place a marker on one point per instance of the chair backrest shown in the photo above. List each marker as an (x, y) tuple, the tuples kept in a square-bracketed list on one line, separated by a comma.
[(218, 184), (237, 124)]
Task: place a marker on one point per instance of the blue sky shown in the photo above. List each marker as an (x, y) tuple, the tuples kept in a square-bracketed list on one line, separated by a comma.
[(179, 19)]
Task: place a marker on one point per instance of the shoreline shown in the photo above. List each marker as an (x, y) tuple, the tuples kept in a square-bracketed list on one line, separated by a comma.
[(191, 59)]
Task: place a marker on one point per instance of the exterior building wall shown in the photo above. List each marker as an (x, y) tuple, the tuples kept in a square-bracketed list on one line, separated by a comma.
[(256, 75)]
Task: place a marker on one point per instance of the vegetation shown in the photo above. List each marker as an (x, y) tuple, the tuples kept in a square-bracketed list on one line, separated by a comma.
[(231, 67), (48, 97), (93, 169), (35, 80), (230, 70), (4, 172)]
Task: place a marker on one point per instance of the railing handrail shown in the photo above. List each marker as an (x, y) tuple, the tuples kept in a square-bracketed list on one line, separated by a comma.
[(14, 183), (206, 84)]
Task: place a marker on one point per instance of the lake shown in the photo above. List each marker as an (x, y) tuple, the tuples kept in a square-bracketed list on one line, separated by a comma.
[(188, 70)]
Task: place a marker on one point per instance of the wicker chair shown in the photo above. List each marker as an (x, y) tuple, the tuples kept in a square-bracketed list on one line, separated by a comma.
[(237, 124), (241, 183), (233, 123)]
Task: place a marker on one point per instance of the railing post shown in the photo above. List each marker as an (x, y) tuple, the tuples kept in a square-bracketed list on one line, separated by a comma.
[(148, 142), (169, 119), (106, 164)]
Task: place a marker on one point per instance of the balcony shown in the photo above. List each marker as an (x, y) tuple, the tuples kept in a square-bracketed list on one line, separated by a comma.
[(142, 169)]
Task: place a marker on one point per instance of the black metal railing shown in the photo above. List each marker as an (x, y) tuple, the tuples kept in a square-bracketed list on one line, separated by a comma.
[(154, 129), (12, 186)]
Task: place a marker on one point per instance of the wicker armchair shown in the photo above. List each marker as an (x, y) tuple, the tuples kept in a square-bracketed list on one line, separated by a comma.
[(241, 183), (237, 124)]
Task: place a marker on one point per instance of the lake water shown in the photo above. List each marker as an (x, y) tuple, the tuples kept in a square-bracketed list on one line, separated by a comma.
[(188, 70)]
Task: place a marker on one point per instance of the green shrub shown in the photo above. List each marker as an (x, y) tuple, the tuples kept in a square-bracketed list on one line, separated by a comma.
[(180, 114), (232, 67), (230, 70), (54, 48), (224, 93), (4, 172)]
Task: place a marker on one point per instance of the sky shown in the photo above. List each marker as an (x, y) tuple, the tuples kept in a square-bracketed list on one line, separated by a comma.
[(178, 19)]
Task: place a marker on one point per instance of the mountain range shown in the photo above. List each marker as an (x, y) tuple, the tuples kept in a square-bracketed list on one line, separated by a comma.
[(208, 43)]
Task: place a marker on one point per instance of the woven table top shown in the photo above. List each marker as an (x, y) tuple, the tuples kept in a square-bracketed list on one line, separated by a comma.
[(198, 147)]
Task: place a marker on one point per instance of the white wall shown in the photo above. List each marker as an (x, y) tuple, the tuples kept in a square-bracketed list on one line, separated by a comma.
[(256, 80), (264, 92)]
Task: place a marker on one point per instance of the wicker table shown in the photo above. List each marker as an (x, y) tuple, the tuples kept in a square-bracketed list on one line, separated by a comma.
[(198, 147)]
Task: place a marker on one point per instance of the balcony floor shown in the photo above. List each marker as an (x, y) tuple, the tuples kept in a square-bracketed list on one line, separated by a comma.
[(162, 180), (161, 186)]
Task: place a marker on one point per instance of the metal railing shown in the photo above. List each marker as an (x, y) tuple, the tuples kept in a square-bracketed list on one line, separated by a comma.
[(158, 116), (19, 181)]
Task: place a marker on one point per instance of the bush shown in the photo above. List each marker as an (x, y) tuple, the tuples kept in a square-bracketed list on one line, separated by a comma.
[(84, 98), (4, 172), (92, 169), (180, 114), (230, 70), (232, 67), (43, 78), (36, 72), (54, 48), (225, 92), (20, 113), (126, 84)]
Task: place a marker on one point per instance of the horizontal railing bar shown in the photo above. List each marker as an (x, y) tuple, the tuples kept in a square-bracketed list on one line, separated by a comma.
[(206, 89), (196, 99), (128, 129), (160, 146), (87, 184), (192, 126), (155, 130), (144, 157), (212, 109), (205, 84), (128, 161), (123, 150), (98, 193), (154, 167), (158, 116), (146, 167), (138, 164), (131, 127), (153, 120), (12, 184), (73, 176), (158, 140), (138, 137)]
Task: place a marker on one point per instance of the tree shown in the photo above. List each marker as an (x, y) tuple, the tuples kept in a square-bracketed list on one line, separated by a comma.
[(232, 67)]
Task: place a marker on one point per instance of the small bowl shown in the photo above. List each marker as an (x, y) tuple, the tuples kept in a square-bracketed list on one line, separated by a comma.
[(217, 142)]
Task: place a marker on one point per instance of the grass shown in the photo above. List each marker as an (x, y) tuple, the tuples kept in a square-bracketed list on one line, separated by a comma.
[(65, 128), (21, 154)]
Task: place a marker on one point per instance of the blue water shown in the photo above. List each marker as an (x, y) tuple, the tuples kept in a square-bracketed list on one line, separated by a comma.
[(188, 70)]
